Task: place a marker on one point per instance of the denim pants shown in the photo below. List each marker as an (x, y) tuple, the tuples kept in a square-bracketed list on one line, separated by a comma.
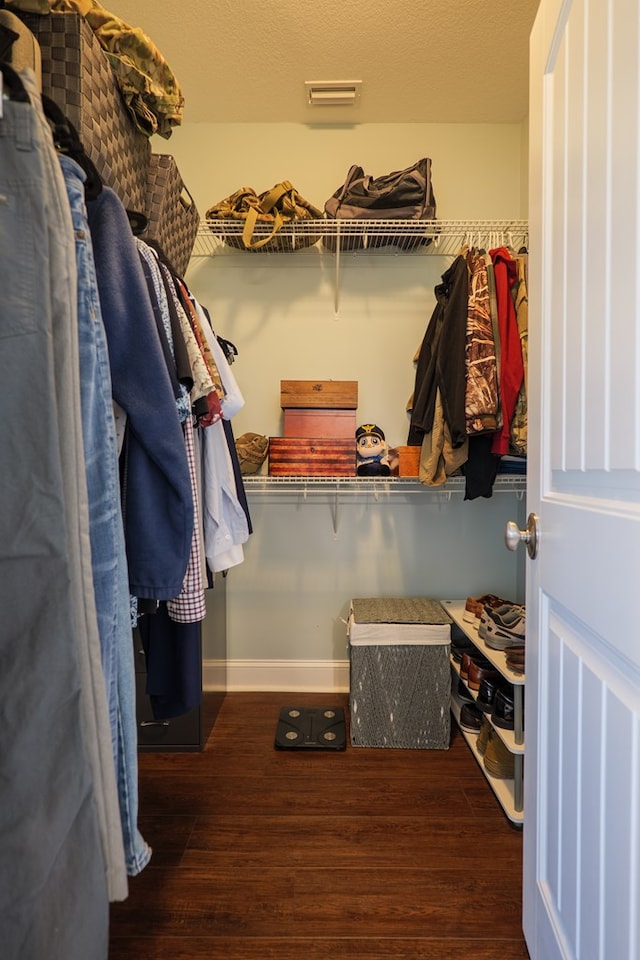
[(109, 564), (54, 809)]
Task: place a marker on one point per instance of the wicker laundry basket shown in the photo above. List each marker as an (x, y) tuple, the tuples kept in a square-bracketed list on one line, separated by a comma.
[(78, 77), (173, 216), (400, 679)]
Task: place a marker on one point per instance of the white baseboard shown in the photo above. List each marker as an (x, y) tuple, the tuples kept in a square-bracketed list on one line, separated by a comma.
[(301, 676)]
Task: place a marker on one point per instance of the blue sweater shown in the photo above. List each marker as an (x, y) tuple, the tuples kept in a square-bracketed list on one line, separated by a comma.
[(157, 501)]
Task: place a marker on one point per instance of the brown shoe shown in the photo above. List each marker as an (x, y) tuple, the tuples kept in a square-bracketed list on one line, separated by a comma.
[(477, 673), (497, 759), (515, 659), (469, 658), (469, 612), (491, 603), (475, 605), (486, 732)]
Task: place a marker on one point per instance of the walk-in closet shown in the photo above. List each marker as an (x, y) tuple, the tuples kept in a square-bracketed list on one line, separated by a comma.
[(261, 703)]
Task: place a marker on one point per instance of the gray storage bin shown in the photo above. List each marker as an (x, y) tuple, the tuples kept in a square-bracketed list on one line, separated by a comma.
[(400, 680)]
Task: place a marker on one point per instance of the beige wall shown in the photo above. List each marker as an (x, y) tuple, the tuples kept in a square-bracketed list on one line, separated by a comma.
[(476, 168), (524, 168), (287, 600)]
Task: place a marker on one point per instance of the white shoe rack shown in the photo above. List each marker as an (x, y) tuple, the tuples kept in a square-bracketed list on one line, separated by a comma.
[(509, 793)]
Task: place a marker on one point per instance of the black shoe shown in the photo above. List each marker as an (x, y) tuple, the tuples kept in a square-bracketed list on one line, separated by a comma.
[(463, 694), (458, 647), (487, 693), (502, 713), (471, 718)]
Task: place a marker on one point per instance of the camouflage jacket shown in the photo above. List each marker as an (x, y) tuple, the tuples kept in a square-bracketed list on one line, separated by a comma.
[(148, 86), (481, 394)]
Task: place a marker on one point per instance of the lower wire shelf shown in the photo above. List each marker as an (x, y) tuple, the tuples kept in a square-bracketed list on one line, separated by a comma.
[(261, 483)]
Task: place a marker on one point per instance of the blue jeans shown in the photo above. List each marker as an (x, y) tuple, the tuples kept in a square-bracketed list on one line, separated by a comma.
[(109, 563)]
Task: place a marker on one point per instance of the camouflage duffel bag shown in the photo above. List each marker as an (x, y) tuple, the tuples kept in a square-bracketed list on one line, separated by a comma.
[(278, 220)]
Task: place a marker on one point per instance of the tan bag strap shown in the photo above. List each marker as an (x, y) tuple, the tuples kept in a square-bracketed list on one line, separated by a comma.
[(276, 193), (250, 225), (83, 6)]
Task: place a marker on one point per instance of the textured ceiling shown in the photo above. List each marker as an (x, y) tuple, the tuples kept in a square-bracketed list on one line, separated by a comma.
[(429, 61)]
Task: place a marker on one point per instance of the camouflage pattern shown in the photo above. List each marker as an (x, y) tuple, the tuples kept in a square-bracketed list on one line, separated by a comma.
[(518, 437), (269, 210), (148, 86), (481, 395), (237, 206)]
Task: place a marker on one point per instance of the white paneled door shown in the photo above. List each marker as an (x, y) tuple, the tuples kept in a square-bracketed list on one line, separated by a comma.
[(582, 767)]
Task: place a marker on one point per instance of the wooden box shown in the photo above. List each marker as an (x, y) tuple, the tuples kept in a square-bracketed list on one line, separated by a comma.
[(327, 394), (312, 457), (320, 423), (409, 461)]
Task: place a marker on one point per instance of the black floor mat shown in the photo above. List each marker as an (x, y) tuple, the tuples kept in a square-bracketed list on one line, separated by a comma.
[(311, 728)]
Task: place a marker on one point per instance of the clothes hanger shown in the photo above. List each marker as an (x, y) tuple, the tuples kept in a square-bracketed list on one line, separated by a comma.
[(139, 222), (67, 142), (230, 350)]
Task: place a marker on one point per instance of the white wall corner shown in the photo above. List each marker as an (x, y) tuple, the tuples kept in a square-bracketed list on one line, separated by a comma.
[(295, 676)]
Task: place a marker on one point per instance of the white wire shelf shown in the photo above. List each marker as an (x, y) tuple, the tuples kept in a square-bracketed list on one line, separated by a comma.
[(311, 237), (375, 489), (379, 486)]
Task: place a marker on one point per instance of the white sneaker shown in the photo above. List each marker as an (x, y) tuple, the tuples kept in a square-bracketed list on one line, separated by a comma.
[(501, 636)]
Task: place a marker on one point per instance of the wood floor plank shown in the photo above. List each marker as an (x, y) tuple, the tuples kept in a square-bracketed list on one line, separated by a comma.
[(309, 789), (363, 854), (168, 837), (373, 841), (322, 948), (407, 902), (346, 902)]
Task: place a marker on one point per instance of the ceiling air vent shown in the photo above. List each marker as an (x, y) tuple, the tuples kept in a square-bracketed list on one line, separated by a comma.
[(332, 93)]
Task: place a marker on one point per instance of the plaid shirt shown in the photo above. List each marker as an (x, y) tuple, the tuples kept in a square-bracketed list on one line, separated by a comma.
[(189, 606)]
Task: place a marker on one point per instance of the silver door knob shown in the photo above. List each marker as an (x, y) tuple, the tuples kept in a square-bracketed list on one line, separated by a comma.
[(530, 535)]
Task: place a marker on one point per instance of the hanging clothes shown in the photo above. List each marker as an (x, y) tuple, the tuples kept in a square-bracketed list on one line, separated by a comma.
[(441, 361), (511, 366), (157, 497), (518, 436), (61, 849), (467, 391), (169, 631), (106, 534), (481, 394), (166, 335), (481, 466), (190, 606), (439, 459)]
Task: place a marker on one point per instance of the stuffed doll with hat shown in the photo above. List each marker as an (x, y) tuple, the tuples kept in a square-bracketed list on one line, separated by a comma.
[(371, 452)]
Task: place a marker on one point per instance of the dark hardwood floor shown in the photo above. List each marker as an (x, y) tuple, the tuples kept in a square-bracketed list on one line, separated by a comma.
[(364, 854)]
